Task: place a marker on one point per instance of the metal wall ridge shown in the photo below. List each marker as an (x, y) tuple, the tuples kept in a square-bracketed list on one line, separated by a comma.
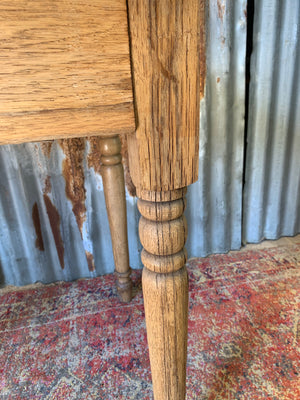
[(214, 206), (272, 190)]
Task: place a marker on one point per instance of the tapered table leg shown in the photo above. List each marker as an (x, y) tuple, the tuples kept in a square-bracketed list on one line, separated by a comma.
[(163, 232), (167, 42), (114, 191)]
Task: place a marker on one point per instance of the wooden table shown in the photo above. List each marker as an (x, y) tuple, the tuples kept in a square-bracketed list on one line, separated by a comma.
[(66, 72)]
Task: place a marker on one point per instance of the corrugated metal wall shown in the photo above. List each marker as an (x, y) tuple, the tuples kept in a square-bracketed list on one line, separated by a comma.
[(53, 223), (272, 190), (45, 234), (214, 207)]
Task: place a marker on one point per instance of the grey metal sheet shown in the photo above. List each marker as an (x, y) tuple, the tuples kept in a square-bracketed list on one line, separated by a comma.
[(272, 190), (214, 206), (40, 235)]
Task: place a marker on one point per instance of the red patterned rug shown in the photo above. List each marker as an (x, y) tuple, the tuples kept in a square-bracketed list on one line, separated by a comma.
[(76, 341)]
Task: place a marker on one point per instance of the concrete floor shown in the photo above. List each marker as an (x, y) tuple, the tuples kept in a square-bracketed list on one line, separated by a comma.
[(284, 241)]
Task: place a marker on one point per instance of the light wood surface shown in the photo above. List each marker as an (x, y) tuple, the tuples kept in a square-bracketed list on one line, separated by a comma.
[(165, 42), (165, 291), (167, 49), (64, 69), (114, 190)]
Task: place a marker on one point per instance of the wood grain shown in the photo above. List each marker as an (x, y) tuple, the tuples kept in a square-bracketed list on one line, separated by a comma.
[(165, 42), (167, 331), (163, 234), (64, 69)]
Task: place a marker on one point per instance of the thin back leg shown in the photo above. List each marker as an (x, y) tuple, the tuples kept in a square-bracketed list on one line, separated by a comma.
[(114, 191)]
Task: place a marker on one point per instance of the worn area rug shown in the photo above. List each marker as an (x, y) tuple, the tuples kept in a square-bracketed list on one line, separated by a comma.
[(76, 341)]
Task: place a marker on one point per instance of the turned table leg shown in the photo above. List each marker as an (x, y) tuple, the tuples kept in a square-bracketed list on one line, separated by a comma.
[(163, 232), (165, 39), (114, 191)]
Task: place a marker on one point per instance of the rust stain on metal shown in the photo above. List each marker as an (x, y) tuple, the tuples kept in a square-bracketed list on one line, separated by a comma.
[(46, 148), (73, 173), (47, 185), (39, 243), (218, 79), (94, 160), (54, 220), (94, 154), (221, 9), (90, 261), (202, 47)]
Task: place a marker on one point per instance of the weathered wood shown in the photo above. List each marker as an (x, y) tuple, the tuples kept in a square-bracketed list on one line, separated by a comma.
[(165, 288), (65, 69), (114, 190), (165, 43)]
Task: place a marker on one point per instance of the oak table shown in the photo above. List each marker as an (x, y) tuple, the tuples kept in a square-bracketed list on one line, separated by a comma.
[(66, 72)]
